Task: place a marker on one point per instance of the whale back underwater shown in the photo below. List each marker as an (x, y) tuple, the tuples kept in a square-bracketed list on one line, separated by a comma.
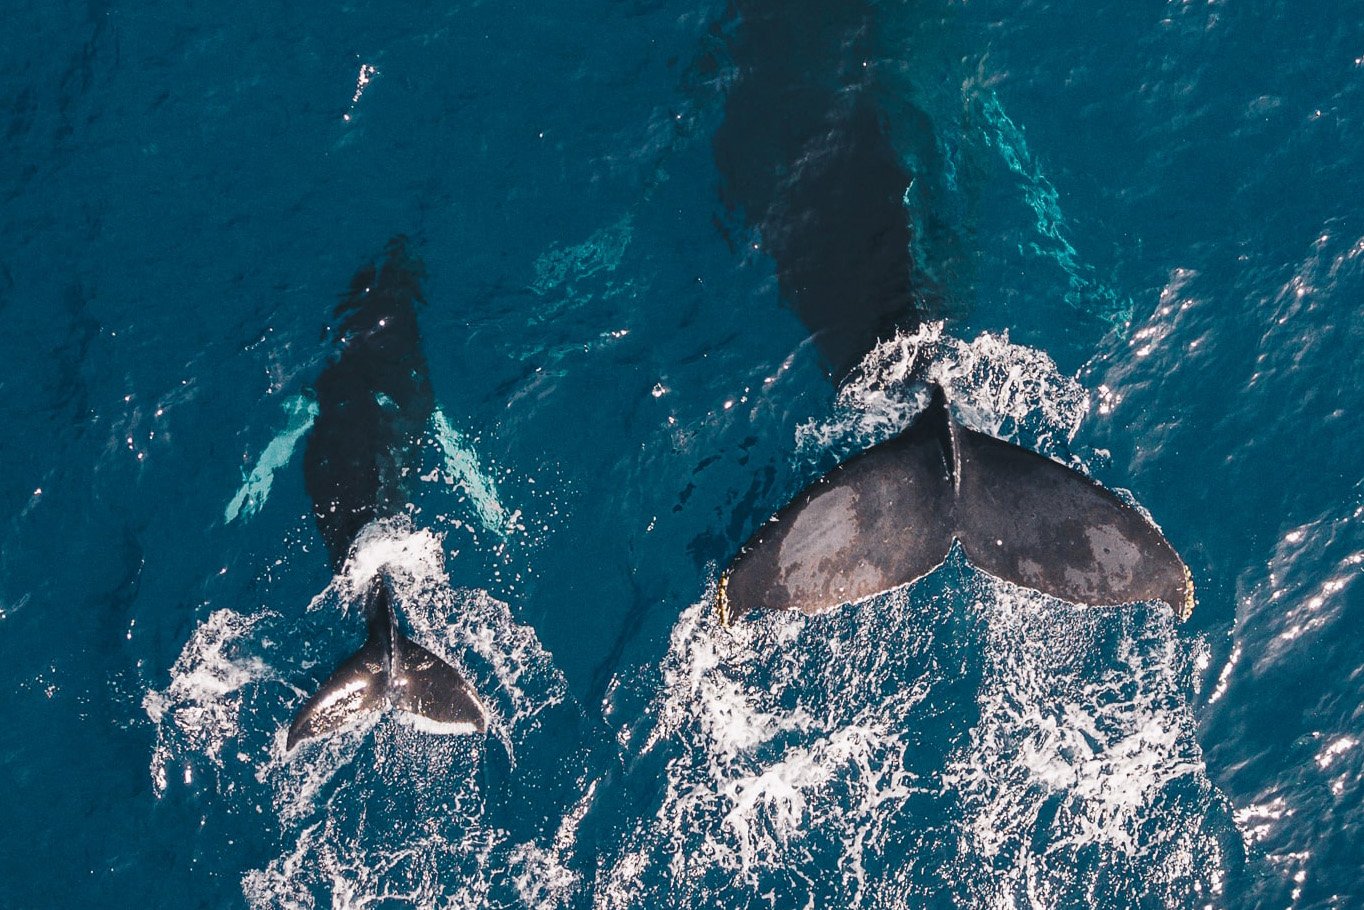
[(880, 520)]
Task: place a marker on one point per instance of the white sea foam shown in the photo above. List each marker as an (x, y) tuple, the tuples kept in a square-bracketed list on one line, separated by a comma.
[(413, 558), (993, 385), (754, 766), (541, 879), (199, 713), (540, 874), (341, 861), (443, 854), (1086, 745), (1013, 750)]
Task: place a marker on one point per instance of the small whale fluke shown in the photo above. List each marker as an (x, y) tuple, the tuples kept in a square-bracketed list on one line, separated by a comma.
[(373, 403), (389, 670), (888, 516)]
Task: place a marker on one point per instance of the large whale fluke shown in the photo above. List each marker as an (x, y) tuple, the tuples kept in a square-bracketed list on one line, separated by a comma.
[(888, 516), (389, 670)]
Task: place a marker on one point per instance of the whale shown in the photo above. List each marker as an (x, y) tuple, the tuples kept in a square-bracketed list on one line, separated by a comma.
[(374, 401), (807, 166)]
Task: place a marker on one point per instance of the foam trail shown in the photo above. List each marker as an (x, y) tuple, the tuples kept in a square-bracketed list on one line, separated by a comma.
[(199, 713), (994, 385), (301, 411), (380, 812), (1087, 293), (1001, 747), (404, 826), (388, 812), (462, 469), (541, 876), (1089, 747), (753, 769)]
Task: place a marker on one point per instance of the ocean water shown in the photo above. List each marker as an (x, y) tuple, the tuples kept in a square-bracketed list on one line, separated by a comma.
[(1144, 221)]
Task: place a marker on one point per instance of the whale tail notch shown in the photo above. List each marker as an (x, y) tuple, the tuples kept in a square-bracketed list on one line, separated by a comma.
[(390, 670), (888, 516)]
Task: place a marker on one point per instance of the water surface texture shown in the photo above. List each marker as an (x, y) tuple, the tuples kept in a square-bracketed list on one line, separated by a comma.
[(1137, 233)]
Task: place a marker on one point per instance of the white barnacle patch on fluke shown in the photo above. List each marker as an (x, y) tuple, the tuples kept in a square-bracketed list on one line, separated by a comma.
[(825, 530)]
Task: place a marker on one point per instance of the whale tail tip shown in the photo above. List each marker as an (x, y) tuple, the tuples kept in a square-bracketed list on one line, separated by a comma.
[(390, 670), (888, 516)]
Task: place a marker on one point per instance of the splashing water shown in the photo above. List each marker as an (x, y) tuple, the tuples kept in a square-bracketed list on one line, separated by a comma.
[(839, 743), (199, 714), (961, 740), (380, 810), (994, 385)]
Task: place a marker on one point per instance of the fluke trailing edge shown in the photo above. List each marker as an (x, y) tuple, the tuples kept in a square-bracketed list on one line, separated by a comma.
[(374, 401), (888, 517), (389, 670), (806, 161)]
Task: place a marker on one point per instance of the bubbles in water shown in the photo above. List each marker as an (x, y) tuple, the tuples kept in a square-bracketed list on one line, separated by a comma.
[(199, 713), (960, 741), (1003, 747), (993, 385)]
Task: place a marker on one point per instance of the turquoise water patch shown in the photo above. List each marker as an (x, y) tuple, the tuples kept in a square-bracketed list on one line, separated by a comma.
[(563, 266), (301, 411), (1086, 292), (462, 469)]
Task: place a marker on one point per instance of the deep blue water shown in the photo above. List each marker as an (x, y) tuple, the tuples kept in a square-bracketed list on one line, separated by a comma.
[(187, 190)]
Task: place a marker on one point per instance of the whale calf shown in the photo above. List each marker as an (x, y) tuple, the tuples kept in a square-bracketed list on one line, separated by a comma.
[(807, 163), (374, 402)]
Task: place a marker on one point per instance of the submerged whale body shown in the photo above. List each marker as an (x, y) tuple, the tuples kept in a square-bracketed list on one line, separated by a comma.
[(807, 162), (373, 404)]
